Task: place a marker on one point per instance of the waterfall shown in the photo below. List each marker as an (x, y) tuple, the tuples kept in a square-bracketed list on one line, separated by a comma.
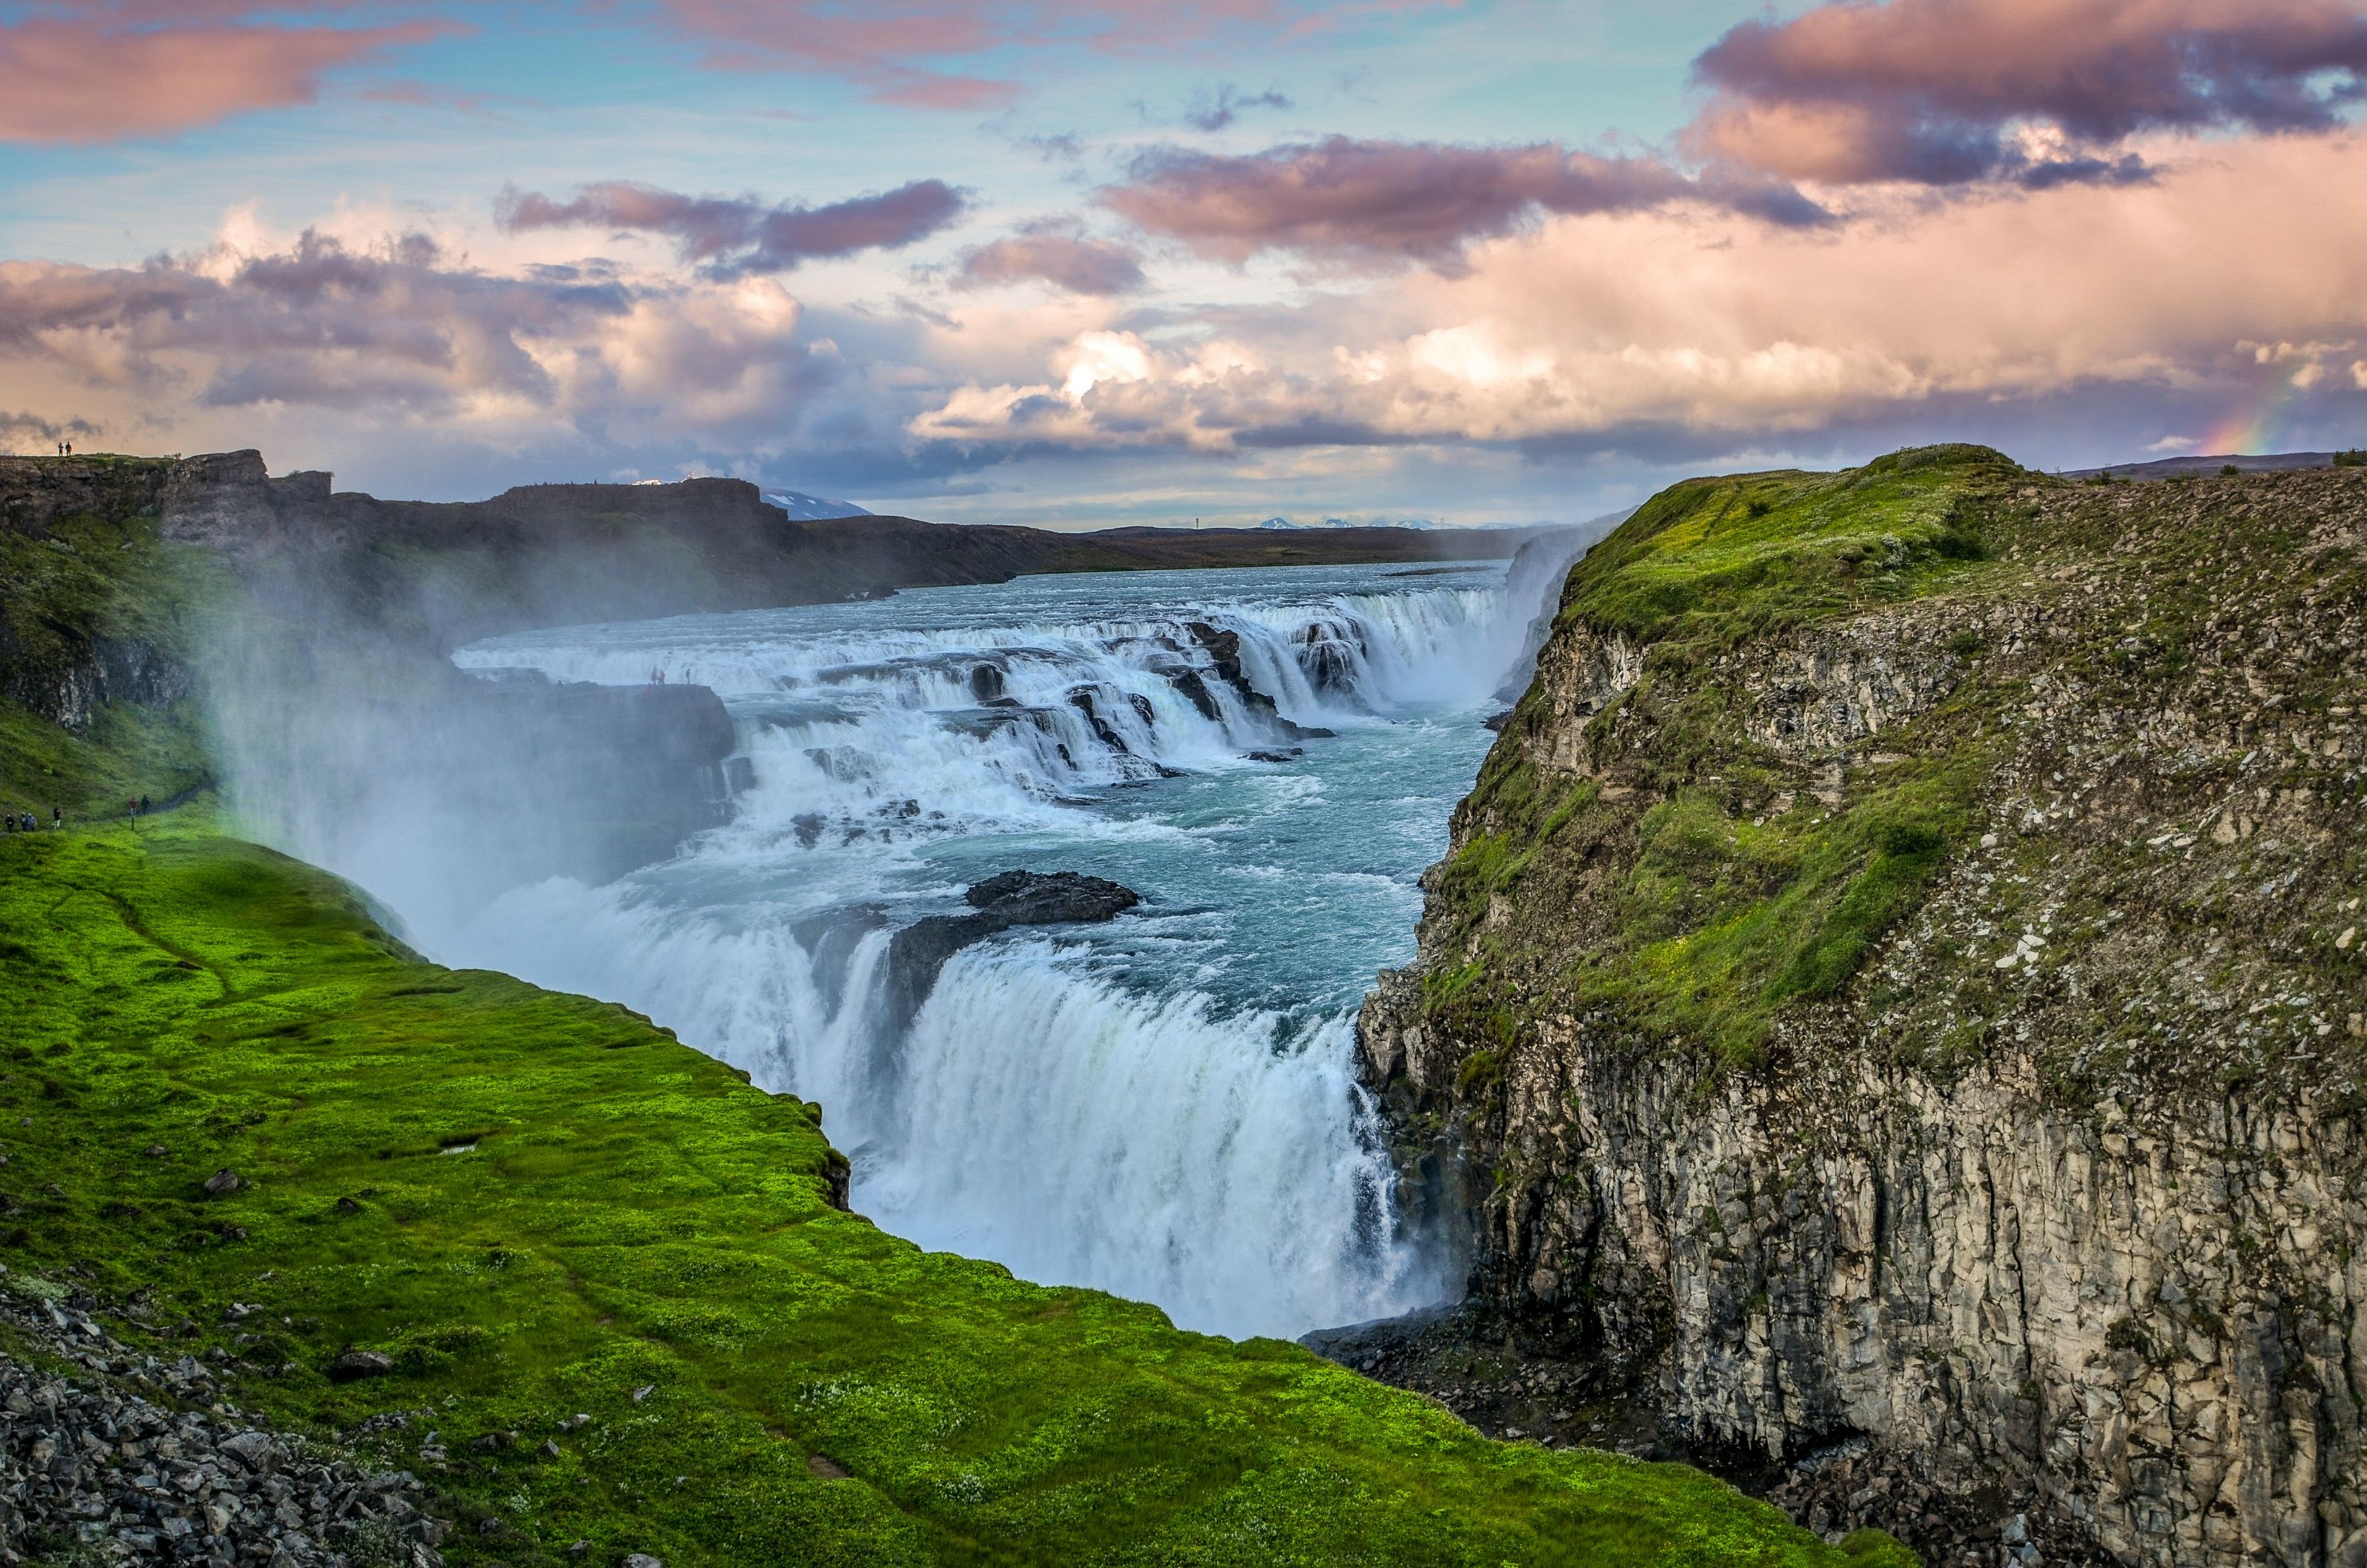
[(1165, 1107)]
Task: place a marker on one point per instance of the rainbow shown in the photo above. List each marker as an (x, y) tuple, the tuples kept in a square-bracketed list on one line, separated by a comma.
[(2254, 427)]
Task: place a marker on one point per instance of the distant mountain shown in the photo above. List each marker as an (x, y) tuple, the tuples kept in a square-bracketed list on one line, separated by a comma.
[(2181, 468), (805, 508), (1344, 523)]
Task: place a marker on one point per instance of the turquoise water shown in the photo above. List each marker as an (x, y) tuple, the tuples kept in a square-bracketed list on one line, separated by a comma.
[(1165, 1105)]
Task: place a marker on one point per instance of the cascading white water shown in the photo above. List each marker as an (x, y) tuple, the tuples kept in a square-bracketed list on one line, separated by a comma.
[(1165, 1105)]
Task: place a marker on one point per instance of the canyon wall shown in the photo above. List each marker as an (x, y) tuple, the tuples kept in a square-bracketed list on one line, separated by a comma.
[(1895, 993)]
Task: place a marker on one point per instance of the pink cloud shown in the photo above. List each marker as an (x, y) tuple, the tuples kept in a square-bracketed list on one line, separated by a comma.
[(734, 235), (1942, 92), (80, 81), (896, 49), (400, 330), (1592, 329), (1368, 201), (1065, 261)]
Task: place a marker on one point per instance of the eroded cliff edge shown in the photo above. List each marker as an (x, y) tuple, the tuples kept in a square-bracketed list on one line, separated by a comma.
[(1896, 991)]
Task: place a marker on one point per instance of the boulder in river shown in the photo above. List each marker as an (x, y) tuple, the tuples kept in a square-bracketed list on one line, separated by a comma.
[(919, 951)]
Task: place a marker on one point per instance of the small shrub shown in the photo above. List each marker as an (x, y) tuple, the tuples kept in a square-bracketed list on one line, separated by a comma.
[(2229, 470), (2355, 457)]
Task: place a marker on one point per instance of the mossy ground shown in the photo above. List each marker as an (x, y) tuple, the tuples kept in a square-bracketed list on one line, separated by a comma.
[(89, 580), (635, 1233), (1726, 915), (2116, 671)]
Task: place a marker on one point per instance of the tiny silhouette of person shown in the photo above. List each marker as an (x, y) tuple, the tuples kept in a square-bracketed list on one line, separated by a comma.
[(57, 818), (143, 805)]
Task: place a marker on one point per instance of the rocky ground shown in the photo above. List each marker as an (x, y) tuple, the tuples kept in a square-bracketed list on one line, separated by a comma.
[(109, 1455)]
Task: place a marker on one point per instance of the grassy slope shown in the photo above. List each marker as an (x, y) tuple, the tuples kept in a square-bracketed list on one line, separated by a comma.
[(97, 579), (1724, 919), (1711, 896), (633, 1215)]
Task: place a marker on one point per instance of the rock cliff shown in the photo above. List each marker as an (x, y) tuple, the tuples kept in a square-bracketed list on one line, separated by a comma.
[(1894, 1006), (550, 554)]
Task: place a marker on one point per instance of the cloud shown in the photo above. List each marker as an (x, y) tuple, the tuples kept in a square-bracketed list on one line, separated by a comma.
[(1599, 329), (1365, 201), (898, 51), (1065, 261), (2041, 92), (17, 429), (399, 331), (1216, 112), (735, 236), (106, 72)]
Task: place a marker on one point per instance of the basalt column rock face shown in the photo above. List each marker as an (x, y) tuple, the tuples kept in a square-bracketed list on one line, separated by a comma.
[(1896, 991)]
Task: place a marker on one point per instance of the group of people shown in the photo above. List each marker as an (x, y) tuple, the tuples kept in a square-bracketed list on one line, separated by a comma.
[(30, 822), (65, 449)]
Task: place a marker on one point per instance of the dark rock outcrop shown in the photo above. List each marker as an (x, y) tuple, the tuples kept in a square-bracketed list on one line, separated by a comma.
[(919, 951)]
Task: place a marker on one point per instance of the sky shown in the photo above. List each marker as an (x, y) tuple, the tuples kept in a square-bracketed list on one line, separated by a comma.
[(1082, 263)]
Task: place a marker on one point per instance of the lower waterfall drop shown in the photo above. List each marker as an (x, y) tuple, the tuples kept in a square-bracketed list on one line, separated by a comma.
[(1164, 1105)]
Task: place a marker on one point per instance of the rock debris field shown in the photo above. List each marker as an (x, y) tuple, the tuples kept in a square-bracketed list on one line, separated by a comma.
[(109, 1455)]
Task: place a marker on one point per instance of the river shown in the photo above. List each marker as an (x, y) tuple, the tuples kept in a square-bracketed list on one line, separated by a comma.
[(1165, 1105)]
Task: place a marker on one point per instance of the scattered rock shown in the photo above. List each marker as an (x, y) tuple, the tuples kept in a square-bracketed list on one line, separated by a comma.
[(355, 1365), (99, 1466), (155, 1151), (347, 1205), (223, 1182)]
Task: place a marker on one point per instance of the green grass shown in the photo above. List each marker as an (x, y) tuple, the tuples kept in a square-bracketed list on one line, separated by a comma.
[(131, 751), (1723, 912), (1711, 563), (90, 582), (1728, 920), (632, 1215)]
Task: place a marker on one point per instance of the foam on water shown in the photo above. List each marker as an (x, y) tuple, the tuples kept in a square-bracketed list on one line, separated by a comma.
[(1164, 1106)]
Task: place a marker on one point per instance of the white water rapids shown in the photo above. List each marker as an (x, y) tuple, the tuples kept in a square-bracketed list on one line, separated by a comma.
[(1165, 1105)]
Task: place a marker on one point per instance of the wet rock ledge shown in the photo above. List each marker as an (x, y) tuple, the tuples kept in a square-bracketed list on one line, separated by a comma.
[(918, 952)]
